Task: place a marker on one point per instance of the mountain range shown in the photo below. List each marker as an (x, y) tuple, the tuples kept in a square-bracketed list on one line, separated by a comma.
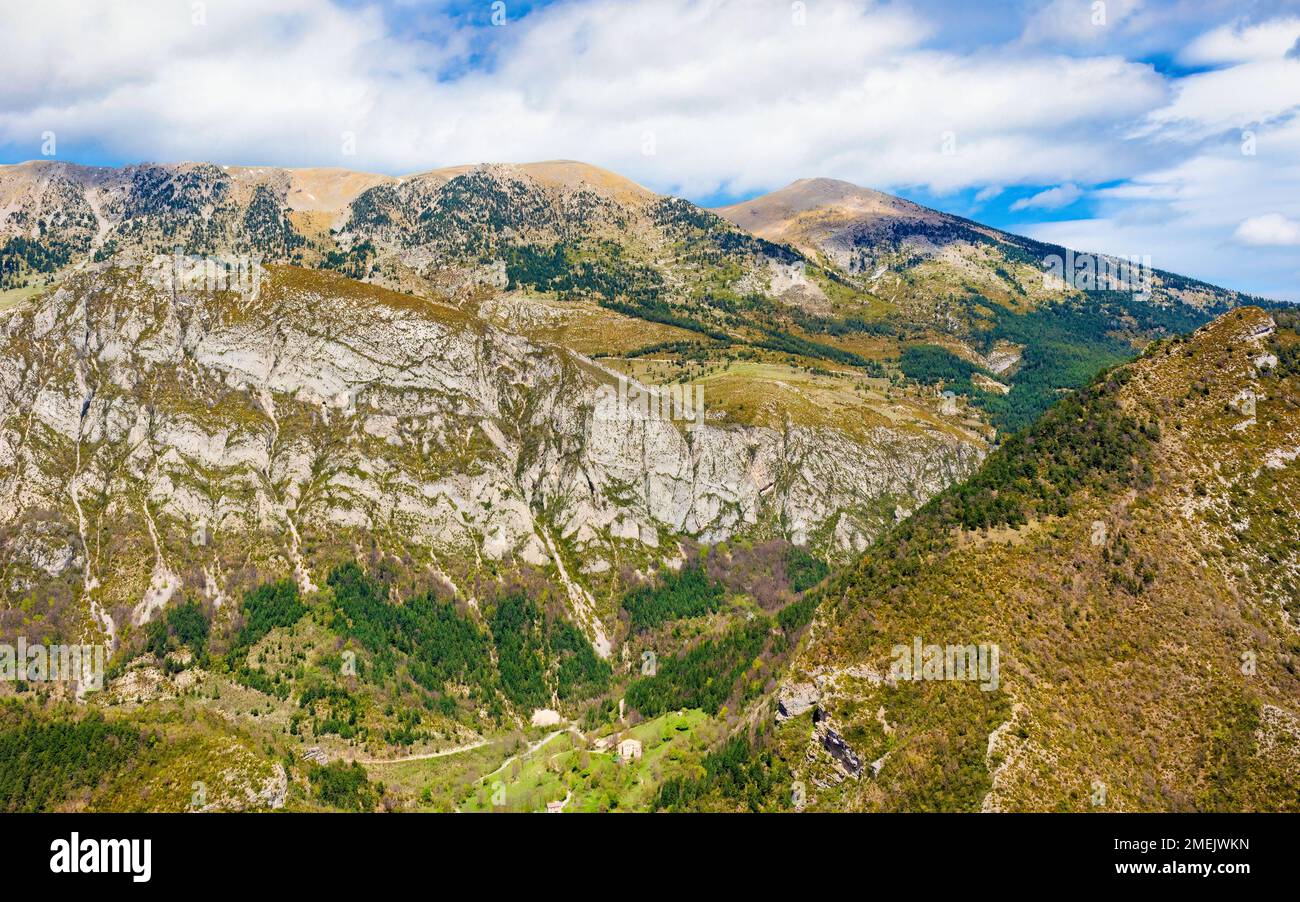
[(421, 472)]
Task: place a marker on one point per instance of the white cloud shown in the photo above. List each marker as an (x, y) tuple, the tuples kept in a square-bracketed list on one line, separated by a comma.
[(1050, 199), (853, 93), (738, 95), (1187, 215), (1210, 103), (1269, 229), (1237, 43), (1079, 21)]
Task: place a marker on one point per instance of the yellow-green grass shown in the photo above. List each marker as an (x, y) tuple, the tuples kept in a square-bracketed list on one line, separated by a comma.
[(773, 394), (584, 327), (598, 780), (433, 784), (16, 297), (197, 759)]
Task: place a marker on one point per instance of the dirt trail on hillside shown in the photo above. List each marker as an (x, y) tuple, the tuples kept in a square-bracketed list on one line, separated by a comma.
[(422, 757)]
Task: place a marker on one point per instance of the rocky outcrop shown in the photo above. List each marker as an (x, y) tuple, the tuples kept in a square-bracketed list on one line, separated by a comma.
[(839, 750), (210, 433), (795, 699)]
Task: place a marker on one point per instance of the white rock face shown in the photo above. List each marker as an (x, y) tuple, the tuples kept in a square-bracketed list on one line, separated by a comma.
[(545, 717), (796, 698), (1003, 358), (212, 438)]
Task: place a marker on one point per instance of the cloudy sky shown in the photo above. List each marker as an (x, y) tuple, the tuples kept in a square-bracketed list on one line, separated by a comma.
[(1161, 127)]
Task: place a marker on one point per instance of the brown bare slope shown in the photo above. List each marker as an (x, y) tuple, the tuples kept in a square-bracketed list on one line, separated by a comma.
[(913, 254)]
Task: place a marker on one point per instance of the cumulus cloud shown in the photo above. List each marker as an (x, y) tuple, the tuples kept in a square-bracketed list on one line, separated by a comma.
[(1239, 43), (704, 98), (1186, 215), (1080, 21), (1269, 229), (1051, 199), (851, 90)]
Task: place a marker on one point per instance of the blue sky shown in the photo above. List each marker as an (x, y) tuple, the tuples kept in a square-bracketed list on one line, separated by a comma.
[(1166, 128)]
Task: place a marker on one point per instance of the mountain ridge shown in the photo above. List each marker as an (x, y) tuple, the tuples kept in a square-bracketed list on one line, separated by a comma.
[(773, 215)]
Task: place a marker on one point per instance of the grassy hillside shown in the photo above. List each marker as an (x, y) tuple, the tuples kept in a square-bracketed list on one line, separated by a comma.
[(1132, 555)]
